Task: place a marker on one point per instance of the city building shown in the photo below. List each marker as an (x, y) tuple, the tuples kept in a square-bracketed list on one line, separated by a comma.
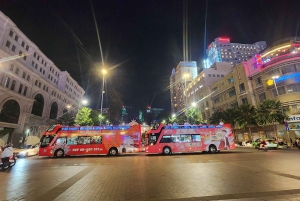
[(199, 90), (33, 90), (221, 50), (275, 74), (184, 73)]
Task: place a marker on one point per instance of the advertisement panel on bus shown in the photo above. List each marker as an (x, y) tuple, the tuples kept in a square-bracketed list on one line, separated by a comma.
[(191, 138), (90, 140)]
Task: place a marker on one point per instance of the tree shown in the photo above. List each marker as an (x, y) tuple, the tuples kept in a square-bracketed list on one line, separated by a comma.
[(246, 117), (216, 117), (115, 106), (270, 112), (194, 116), (83, 117), (229, 116), (66, 119), (95, 116)]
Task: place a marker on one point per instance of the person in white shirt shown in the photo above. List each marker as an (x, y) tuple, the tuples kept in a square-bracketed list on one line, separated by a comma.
[(7, 152)]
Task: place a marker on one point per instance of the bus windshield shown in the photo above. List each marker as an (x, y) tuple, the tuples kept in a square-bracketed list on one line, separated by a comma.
[(152, 138), (46, 140)]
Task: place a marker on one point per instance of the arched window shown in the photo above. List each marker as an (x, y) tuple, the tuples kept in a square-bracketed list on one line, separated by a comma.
[(53, 111), (10, 112), (38, 105)]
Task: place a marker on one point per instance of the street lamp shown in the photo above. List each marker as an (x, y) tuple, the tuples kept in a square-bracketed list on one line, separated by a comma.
[(194, 104), (104, 72), (185, 76), (173, 115)]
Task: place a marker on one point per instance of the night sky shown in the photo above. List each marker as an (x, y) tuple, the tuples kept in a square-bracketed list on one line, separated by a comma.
[(144, 35)]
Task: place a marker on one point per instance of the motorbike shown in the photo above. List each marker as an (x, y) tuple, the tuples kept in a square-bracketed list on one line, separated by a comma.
[(12, 161), (264, 148)]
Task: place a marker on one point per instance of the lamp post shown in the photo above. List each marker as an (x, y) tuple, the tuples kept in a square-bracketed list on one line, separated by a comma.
[(103, 71), (185, 76)]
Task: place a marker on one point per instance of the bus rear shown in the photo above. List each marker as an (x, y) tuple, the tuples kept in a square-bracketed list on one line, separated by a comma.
[(189, 138)]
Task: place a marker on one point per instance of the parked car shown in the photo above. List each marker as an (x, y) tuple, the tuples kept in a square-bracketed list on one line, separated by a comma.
[(272, 144), (27, 150)]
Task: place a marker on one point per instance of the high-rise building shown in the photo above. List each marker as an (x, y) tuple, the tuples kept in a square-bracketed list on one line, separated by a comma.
[(184, 73), (221, 50), (33, 90)]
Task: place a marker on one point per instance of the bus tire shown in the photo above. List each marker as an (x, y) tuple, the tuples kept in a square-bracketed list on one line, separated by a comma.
[(59, 153), (113, 151), (213, 149), (167, 151)]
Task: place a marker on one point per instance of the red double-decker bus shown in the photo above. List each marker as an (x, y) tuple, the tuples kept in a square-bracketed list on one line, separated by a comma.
[(90, 140), (189, 138)]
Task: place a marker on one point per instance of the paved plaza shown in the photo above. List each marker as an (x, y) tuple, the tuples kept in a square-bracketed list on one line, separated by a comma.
[(241, 174)]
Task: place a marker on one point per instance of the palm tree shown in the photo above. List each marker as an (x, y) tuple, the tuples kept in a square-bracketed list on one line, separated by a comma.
[(246, 117), (270, 112)]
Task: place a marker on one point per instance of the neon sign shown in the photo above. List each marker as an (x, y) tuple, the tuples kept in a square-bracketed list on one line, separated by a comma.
[(258, 59), (295, 76)]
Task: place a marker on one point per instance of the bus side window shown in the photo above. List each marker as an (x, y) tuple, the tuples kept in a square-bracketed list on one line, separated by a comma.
[(96, 140), (61, 140), (186, 138), (196, 138), (72, 140), (166, 139)]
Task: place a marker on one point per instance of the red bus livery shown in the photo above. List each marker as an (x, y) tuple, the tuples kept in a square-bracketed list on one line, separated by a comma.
[(90, 140), (189, 138)]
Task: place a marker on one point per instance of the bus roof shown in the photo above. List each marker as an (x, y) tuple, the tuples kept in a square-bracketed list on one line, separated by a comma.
[(93, 128), (169, 127)]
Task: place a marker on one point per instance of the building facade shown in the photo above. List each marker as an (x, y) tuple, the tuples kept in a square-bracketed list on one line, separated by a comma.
[(199, 90), (33, 91), (221, 50), (178, 82)]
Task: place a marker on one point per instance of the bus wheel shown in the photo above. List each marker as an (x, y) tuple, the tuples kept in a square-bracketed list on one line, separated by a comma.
[(113, 152), (167, 151), (212, 149), (59, 153)]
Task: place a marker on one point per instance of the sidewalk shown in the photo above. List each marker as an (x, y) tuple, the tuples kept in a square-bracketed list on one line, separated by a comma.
[(280, 147)]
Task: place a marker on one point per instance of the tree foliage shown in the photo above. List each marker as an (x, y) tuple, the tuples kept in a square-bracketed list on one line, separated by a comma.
[(269, 112), (194, 116), (216, 117), (83, 117), (246, 116)]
